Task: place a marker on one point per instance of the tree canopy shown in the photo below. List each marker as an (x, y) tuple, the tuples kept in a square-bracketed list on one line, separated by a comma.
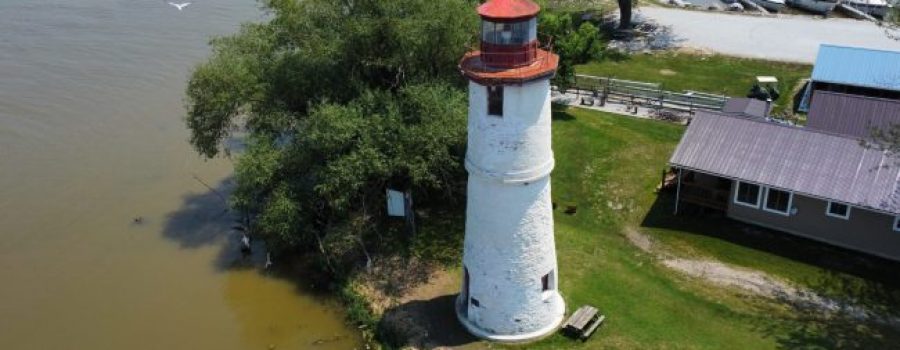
[(338, 100), (574, 41)]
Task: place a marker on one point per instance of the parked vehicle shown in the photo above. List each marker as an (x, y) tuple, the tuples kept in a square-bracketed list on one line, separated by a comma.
[(771, 5), (822, 7), (877, 8)]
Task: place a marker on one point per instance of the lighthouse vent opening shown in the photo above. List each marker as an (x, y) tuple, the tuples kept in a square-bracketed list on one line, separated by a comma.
[(495, 100)]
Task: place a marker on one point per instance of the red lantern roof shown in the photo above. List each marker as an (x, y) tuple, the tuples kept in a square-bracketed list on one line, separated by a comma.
[(508, 9)]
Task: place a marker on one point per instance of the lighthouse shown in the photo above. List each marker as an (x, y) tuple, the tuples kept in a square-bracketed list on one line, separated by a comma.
[(510, 278)]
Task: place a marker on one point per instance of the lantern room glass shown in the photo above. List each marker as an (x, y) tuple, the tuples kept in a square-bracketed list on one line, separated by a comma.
[(509, 33)]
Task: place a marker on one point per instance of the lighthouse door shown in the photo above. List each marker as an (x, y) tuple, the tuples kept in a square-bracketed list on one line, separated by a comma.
[(465, 293)]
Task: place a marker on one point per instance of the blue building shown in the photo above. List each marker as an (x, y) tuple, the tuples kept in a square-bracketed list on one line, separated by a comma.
[(854, 71)]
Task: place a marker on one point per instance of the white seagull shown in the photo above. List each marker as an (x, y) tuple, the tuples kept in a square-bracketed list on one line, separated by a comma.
[(179, 6)]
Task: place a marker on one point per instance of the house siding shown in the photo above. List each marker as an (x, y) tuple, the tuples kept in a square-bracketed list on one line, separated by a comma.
[(867, 231)]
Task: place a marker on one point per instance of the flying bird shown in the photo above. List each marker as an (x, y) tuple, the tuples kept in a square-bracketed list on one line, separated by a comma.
[(180, 6)]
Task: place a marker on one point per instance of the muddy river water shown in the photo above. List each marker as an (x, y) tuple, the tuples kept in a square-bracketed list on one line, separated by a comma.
[(92, 139)]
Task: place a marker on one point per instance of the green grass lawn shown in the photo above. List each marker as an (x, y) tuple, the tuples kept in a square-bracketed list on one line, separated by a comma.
[(607, 161), (608, 166), (713, 74)]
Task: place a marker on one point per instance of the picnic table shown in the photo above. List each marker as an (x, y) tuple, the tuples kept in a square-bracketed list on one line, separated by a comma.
[(584, 322)]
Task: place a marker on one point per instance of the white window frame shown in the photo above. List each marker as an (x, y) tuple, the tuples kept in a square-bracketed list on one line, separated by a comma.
[(896, 220), (737, 190), (829, 213), (790, 204)]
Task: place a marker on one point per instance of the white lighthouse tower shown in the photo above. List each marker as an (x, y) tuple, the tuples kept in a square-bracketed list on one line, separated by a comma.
[(510, 284)]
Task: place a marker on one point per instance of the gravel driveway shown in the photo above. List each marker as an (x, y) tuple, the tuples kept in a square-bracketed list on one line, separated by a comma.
[(782, 38)]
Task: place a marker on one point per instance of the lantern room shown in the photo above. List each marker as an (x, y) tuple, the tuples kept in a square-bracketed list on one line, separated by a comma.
[(510, 51), (509, 32)]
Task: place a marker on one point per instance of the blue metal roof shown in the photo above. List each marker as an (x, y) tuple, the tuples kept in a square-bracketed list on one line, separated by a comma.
[(857, 66)]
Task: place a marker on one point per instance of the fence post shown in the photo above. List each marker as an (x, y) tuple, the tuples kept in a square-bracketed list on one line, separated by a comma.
[(633, 104), (661, 98), (662, 182), (607, 90)]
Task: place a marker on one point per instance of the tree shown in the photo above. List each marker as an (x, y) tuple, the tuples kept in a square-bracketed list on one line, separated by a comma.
[(574, 43), (339, 100), (624, 14)]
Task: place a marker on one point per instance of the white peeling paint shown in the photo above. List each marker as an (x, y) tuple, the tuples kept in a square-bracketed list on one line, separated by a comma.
[(509, 243)]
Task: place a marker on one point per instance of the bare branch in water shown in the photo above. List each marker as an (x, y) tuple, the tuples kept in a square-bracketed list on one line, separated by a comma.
[(219, 194)]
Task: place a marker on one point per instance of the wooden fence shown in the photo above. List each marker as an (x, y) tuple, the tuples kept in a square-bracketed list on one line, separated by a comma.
[(649, 95)]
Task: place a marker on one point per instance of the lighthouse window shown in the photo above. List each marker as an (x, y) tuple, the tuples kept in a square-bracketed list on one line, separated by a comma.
[(495, 100), (547, 282), (516, 33)]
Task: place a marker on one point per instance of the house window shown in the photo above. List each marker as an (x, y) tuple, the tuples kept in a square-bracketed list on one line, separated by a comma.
[(838, 210), (747, 194), (495, 100), (778, 201)]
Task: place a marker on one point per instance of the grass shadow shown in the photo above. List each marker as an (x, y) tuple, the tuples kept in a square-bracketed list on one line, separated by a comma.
[(560, 113), (697, 222), (425, 324), (866, 324), (864, 288)]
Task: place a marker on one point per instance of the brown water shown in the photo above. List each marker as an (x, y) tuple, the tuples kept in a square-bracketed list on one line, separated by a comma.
[(91, 136)]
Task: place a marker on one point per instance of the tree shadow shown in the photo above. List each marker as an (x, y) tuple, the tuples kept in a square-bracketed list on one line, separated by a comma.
[(646, 35), (205, 219), (424, 324)]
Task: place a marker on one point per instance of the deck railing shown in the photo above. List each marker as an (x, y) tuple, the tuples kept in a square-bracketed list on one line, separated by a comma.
[(480, 61), (706, 196)]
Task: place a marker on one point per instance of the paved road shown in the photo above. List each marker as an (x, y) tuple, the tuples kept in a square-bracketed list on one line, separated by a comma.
[(784, 38)]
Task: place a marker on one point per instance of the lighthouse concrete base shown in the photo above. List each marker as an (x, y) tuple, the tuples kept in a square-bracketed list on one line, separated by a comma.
[(518, 338)]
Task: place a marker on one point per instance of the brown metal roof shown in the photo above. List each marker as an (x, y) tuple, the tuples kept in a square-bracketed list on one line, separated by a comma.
[(509, 9), (851, 115), (750, 107), (805, 161)]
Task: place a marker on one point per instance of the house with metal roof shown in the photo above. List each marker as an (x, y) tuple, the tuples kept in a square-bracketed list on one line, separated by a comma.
[(856, 71), (853, 115), (813, 183), (747, 107), (819, 181)]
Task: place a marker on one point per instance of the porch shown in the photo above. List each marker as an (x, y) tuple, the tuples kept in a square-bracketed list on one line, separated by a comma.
[(703, 190)]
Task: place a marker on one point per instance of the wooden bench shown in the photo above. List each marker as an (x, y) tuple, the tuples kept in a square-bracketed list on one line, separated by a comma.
[(583, 322)]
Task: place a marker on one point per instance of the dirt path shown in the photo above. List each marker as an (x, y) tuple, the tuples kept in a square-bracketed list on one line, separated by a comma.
[(754, 282), (416, 303)]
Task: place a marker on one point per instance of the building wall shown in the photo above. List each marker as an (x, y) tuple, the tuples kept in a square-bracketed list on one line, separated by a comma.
[(867, 231)]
